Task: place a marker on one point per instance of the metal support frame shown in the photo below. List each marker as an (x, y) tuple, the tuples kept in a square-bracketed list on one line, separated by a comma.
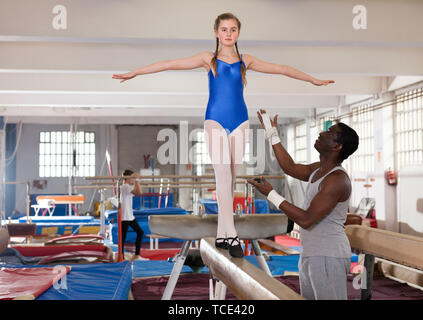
[(219, 291), (176, 271), (260, 258), (366, 290)]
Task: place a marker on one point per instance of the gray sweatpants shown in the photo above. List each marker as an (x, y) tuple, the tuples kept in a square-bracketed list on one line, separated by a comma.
[(324, 278)]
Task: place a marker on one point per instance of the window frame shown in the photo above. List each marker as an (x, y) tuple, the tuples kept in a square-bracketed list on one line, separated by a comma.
[(55, 154), (362, 121), (408, 128)]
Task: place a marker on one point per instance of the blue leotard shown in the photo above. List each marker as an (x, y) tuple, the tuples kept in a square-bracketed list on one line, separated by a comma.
[(226, 96)]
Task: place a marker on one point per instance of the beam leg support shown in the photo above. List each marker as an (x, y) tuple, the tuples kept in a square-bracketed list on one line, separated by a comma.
[(176, 271), (220, 291), (260, 258), (366, 291)]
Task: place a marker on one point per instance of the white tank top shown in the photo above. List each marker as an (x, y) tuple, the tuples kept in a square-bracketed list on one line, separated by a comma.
[(326, 237)]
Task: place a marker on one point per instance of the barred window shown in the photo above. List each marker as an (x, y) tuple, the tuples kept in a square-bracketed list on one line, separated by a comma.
[(319, 125), (362, 122), (200, 154), (301, 143), (409, 128), (57, 158)]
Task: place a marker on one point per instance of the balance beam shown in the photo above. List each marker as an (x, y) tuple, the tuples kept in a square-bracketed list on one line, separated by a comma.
[(400, 248), (193, 227), (392, 246), (244, 280)]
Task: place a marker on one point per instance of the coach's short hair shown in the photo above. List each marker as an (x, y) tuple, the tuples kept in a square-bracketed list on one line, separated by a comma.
[(349, 140)]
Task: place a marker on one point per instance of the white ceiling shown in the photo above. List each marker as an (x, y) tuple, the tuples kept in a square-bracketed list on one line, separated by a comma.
[(58, 76)]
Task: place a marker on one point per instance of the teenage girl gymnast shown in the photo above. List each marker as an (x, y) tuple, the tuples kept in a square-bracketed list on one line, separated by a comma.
[(226, 114)]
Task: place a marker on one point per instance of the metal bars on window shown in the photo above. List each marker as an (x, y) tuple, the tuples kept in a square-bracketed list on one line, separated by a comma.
[(200, 154), (362, 122), (201, 157), (301, 143), (408, 126), (64, 154)]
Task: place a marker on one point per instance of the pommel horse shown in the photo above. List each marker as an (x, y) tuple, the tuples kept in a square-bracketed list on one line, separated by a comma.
[(194, 227)]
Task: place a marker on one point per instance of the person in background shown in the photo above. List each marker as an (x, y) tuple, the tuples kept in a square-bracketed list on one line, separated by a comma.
[(130, 188)]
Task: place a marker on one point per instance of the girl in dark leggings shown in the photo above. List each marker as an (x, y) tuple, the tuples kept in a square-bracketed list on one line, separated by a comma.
[(130, 188)]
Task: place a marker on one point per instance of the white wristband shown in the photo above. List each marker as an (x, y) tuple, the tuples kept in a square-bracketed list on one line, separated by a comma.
[(275, 140), (271, 132), (275, 198)]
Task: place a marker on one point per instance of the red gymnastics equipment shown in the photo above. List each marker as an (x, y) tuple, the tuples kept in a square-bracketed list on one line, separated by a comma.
[(76, 239), (28, 283), (120, 253), (42, 251), (66, 257)]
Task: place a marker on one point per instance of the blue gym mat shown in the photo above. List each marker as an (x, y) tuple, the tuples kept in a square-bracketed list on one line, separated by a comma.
[(277, 265), (97, 281)]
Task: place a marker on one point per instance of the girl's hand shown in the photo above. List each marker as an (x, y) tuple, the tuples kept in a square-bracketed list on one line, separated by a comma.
[(318, 82), (124, 77)]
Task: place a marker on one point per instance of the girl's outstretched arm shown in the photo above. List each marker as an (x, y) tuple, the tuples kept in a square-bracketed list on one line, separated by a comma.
[(199, 60), (266, 67)]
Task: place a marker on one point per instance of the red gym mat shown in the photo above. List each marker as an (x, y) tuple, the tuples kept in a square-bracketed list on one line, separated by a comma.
[(159, 254), (75, 239), (18, 282), (76, 255), (41, 251), (287, 241)]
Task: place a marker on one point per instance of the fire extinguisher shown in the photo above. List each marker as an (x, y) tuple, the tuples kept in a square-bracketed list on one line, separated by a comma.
[(391, 178)]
